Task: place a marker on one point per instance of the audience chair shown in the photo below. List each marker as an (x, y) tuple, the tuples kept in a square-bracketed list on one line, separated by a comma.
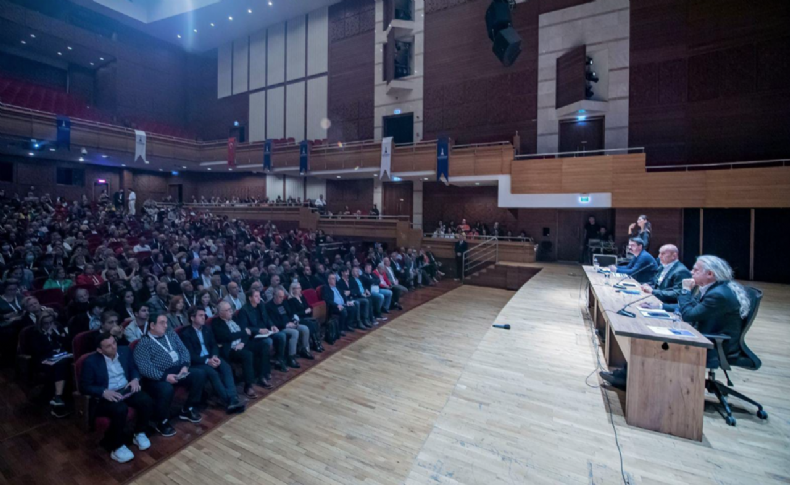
[(83, 343), (316, 304), (743, 357)]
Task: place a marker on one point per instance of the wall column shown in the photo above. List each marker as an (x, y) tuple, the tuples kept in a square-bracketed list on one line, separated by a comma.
[(377, 190), (416, 206)]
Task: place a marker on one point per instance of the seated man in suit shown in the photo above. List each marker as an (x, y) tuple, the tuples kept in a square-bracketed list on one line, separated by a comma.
[(158, 303), (252, 328), (298, 335), (235, 297), (666, 284), (111, 379), (337, 304), (217, 290), (352, 294), (163, 361), (360, 289), (642, 266), (712, 301), (203, 351)]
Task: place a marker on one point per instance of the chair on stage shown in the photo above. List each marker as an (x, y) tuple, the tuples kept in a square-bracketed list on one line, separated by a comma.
[(743, 357)]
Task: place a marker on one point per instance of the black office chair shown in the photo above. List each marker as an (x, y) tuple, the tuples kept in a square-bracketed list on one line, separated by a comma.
[(743, 357)]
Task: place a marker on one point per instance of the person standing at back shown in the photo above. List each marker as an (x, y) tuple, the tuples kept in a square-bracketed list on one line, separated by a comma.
[(461, 246)]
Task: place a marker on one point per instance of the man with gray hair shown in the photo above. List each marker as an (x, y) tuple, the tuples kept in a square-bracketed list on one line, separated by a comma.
[(273, 286), (666, 284), (712, 301), (298, 335)]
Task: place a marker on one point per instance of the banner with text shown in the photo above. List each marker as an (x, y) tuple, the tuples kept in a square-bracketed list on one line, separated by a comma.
[(386, 159), (232, 152), (267, 156), (139, 145), (304, 156), (64, 132), (443, 160)]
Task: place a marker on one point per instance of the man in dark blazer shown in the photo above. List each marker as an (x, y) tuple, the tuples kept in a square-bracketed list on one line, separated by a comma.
[(642, 266), (110, 377), (666, 284), (351, 293), (204, 352), (338, 304), (712, 302)]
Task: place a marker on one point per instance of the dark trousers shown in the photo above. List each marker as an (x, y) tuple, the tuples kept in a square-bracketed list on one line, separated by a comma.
[(459, 267), (143, 406), (254, 359), (365, 309), (221, 380), (280, 342), (162, 392), (396, 292)]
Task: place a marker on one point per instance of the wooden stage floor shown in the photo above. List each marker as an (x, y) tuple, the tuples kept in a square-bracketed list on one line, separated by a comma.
[(439, 396)]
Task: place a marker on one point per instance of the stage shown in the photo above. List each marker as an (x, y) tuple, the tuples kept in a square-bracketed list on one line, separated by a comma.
[(439, 396)]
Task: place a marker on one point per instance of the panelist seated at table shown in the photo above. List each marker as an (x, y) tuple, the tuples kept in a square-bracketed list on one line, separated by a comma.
[(711, 301), (666, 284), (642, 267)]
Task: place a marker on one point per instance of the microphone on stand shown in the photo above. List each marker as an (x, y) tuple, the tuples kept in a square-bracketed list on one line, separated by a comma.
[(622, 287), (626, 313)]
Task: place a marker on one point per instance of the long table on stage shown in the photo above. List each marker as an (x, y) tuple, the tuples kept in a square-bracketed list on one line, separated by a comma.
[(666, 373)]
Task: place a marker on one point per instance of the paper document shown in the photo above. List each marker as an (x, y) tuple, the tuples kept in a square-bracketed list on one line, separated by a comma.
[(674, 332), (260, 335), (655, 313)]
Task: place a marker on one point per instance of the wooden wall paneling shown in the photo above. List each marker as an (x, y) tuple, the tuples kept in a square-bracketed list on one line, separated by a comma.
[(462, 163), (536, 177), (667, 226), (587, 174), (571, 76), (356, 194), (759, 187)]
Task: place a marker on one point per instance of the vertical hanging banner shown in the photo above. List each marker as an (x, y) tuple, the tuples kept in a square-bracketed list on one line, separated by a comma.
[(386, 159), (267, 155), (232, 152), (443, 160), (304, 156), (64, 132), (139, 144)]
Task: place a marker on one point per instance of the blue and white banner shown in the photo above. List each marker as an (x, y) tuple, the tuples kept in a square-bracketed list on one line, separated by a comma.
[(64, 132), (267, 155), (386, 159), (139, 145), (443, 160), (304, 155)]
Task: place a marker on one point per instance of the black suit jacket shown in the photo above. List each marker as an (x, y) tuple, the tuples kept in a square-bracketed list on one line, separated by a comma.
[(715, 312), (253, 318), (668, 290), (329, 297), (95, 379), (192, 342), (344, 287)]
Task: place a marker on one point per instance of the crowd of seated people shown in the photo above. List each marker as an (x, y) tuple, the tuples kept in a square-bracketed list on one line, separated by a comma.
[(452, 230), (141, 305)]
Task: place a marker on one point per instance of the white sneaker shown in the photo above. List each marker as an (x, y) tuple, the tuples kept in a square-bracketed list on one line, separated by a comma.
[(122, 454), (142, 441)]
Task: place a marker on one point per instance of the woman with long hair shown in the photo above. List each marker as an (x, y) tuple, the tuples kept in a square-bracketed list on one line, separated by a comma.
[(204, 302), (642, 229), (176, 316)]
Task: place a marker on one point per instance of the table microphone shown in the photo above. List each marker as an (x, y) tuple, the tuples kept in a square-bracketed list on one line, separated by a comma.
[(505, 326), (626, 313), (629, 276)]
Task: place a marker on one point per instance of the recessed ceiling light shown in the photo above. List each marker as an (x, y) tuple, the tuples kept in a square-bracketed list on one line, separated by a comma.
[(183, 166), (92, 64), (60, 53), (69, 47), (161, 170), (101, 58), (23, 42), (52, 149), (178, 35), (81, 159), (31, 154), (209, 168), (249, 10), (426, 178), (194, 30), (477, 183), (123, 164), (212, 24), (230, 18), (104, 156), (338, 176), (270, 3), (33, 36), (147, 162)]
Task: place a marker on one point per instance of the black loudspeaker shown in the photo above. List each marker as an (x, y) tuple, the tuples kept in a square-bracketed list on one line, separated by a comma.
[(507, 46), (546, 232), (497, 17)]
